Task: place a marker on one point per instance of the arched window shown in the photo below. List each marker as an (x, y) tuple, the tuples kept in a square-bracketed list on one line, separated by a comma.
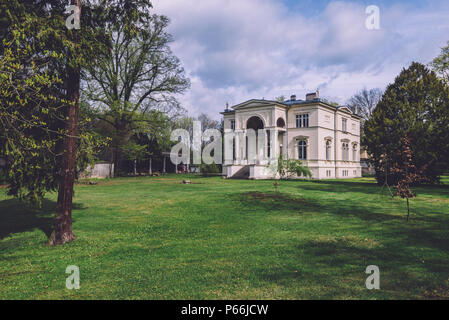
[(302, 150), (328, 150), (354, 152), (280, 123)]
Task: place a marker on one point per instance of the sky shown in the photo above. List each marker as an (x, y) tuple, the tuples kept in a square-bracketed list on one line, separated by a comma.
[(236, 50)]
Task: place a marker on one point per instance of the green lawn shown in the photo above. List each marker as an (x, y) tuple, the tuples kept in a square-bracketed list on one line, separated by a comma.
[(155, 238)]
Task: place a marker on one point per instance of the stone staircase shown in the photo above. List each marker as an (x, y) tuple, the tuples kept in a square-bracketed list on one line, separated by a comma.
[(243, 173)]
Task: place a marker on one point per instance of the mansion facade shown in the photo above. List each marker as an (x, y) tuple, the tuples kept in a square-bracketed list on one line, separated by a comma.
[(324, 137)]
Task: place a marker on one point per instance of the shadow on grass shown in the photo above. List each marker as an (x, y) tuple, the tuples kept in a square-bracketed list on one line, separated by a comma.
[(340, 186), (403, 250), (368, 188), (275, 201), (336, 268), (17, 217), (289, 202)]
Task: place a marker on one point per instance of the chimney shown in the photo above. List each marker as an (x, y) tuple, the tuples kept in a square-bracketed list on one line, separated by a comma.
[(227, 107), (313, 96), (293, 97)]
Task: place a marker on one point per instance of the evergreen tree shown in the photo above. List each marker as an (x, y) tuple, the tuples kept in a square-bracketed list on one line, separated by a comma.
[(40, 63), (416, 105)]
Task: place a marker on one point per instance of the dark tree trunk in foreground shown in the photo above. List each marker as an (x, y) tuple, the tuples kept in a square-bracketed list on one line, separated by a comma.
[(63, 223), (408, 210)]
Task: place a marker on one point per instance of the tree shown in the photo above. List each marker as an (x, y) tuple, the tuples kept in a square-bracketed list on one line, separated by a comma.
[(292, 167), (63, 225), (30, 109), (139, 73), (365, 101), (441, 63), (41, 62), (407, 173), (416, 106), (280, 99), (332, 103), (208, 123)]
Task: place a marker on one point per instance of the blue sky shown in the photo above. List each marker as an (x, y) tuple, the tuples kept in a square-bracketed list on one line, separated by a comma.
[(235, 50)]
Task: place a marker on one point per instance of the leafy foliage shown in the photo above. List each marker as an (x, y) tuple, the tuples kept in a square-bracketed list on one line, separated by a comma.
[(441, 63), (416, 106), (209, 169), (136, 75), (291, 167), (30, 113), (407, 173), (35, 53)]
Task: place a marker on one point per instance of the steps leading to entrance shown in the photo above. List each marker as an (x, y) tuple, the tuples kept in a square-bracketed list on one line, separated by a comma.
[(243, 173)]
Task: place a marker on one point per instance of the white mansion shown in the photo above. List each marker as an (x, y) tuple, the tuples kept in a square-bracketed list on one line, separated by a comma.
[(326, 138)]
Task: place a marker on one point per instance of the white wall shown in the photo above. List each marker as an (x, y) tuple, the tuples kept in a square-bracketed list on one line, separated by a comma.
[(100, 171)]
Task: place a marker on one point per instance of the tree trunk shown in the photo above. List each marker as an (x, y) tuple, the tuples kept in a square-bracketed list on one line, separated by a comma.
[(111, 165), (63, 223), (408, 210), (151, 167), (116, 161)]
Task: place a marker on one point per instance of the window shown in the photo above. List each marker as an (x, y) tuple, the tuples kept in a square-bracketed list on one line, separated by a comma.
[(354, 152), (328, 150), (232, 124), (344, 125), (345, 151), (302, 121), (305, 120), (302, 150)]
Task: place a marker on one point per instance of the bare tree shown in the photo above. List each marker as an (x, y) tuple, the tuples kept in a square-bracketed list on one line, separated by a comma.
[(365, 101), (208, 123)]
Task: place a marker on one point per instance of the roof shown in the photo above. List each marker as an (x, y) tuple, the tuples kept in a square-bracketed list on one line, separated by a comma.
[(289, 103)]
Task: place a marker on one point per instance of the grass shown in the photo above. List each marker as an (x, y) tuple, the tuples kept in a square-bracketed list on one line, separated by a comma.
[(155, 238)]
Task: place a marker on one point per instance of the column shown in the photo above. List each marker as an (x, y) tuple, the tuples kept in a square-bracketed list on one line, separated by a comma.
[(285, 145), (244, 147), (274, 144)]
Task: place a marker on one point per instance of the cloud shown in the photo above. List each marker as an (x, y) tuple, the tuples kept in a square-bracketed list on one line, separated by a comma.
[(237, 50)]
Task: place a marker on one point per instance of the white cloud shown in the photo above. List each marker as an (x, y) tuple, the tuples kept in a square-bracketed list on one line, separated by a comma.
[(237, 50)]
